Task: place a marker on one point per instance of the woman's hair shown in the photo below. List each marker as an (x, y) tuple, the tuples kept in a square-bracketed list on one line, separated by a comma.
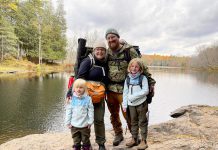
[(80, 83), (139, 62)]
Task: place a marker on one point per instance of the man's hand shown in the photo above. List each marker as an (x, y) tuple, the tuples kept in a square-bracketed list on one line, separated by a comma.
[(124, 109)]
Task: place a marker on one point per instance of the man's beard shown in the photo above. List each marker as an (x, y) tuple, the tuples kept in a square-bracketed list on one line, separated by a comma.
[(113, 45)]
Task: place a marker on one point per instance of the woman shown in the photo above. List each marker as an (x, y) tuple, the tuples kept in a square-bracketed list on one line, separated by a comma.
[(94, 68)]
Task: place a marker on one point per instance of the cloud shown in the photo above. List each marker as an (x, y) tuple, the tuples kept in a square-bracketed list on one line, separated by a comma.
[(173, 27)]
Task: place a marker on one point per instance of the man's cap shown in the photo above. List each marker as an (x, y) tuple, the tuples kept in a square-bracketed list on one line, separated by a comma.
[(112, 31)]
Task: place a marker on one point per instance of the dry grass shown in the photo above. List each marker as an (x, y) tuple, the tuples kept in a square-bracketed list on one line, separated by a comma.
[(12, 64)]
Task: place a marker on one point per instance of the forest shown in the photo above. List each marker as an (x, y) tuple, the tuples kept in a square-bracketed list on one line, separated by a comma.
[(33, 29)]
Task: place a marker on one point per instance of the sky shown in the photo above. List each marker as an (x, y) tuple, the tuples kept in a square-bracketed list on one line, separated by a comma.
[(166, 27)]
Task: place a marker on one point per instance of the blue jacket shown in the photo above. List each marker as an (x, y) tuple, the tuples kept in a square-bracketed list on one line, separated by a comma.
[(80, 112), (138, 94)]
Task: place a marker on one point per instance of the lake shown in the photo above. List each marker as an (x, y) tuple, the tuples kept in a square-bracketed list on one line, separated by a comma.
[(35, 104)]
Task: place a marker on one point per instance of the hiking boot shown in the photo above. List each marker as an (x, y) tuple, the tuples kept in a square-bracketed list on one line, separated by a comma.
[(101, 147), (118, 138), (132, 142), (142, 145)]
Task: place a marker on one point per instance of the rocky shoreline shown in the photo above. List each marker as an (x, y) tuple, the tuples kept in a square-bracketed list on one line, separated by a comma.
[(195, 127)]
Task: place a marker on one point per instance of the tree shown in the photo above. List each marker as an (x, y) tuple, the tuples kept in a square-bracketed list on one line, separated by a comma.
[(207, 57), (40, 30), (59, 25), (8, 38)]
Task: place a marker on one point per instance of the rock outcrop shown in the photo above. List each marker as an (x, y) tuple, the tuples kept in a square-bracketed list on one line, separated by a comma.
[(195, 127)]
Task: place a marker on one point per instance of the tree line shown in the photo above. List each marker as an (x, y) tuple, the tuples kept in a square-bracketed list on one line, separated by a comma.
[(166, 61), (207, 57), (34, 29)]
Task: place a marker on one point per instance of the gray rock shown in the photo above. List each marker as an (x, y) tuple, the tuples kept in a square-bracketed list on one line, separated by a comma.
[(195, 129)]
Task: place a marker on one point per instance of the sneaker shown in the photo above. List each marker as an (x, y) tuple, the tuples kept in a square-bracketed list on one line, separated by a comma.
[(142, 145), (132, 142), (118, 138)]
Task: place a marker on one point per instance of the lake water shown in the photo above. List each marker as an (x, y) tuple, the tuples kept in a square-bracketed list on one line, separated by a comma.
[(36, 104)]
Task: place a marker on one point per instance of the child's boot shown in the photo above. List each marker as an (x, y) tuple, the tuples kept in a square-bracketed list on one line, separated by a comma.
[(142, 145), (76, 147), (87, 147)]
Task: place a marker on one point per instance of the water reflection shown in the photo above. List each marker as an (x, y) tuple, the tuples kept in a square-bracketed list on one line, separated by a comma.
[(176, 88), (29, 105), (36, 104)]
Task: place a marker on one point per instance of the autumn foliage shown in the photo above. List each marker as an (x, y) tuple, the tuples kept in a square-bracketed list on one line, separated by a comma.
[(168, 61)]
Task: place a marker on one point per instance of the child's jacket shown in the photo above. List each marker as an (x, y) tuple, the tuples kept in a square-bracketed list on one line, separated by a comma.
[(80, 112), (135, 95)]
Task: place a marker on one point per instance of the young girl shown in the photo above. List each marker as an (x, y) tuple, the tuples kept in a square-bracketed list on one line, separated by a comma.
[(80, 115), (134, 98)]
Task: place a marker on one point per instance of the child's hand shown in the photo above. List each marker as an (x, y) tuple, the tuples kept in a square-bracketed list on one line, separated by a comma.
[(69, 126), (124, 109), (89, 126), (68, 100)]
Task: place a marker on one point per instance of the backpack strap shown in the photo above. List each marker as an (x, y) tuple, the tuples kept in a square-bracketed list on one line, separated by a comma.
[(140, 80), (139, 83), (127, 56), (128, 81), (93, 64), (92, 59)]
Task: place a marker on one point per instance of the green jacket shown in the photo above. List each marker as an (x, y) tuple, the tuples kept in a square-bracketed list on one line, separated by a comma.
[(118, 64), (118, 68)]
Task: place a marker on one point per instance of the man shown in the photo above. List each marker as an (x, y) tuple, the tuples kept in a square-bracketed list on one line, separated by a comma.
[(117, 63)]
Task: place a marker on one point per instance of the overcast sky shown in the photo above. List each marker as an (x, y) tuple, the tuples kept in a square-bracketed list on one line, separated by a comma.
[(168, 27)]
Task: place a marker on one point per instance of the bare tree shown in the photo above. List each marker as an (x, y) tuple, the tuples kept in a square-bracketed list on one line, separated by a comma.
[(71, 50), (207, 57), (72, 44), (91, 37)]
